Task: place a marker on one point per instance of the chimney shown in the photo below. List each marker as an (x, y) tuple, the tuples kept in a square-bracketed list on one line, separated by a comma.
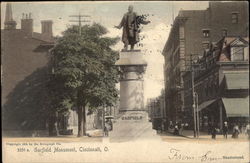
[(9, 23), (27, 24), (47, 33)]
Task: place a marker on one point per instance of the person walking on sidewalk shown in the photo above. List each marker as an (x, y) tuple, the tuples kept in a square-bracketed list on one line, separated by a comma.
[(213, 131), (209, 131), (236, 131), (247, 131), (176, 129), (106, 128), (162, 127), (225, 130)]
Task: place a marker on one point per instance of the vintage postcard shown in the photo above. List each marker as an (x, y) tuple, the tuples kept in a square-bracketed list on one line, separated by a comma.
[(125, 81)]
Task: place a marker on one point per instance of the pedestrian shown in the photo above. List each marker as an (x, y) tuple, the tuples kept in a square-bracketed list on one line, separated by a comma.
[(213, 131), (159, 129), (171, 125), (236, 131), (105, 131), (181, 128), (186, 126), (209, 128), (176, 129), (110, 125), (106, 128), (162, 127), (247, 131), (225, 130)]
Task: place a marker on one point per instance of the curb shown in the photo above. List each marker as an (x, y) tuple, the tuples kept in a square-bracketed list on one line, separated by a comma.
[(180, 135)]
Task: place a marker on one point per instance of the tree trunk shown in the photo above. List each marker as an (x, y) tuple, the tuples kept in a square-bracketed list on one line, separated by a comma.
[(81, 121), (53, 129), (84, 121)]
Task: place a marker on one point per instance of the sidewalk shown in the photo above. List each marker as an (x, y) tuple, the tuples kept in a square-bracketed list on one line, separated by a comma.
[(204, 135), (95, 133)]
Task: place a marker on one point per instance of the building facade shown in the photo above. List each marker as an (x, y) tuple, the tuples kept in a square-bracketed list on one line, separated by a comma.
[(156, 111), (25, 70), (221, 84), (192, 32)]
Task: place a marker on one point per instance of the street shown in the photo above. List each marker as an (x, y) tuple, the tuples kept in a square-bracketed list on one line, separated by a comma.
[(168, 137), (123, 132)]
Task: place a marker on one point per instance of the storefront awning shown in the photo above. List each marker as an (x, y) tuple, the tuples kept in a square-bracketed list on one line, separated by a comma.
[(205, 104), (236, 107), (237, 80)]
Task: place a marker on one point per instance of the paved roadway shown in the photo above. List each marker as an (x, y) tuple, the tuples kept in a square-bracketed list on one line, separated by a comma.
[(131, 131)]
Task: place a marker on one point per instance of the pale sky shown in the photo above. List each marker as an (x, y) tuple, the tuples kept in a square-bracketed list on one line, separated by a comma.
[(109, 14)]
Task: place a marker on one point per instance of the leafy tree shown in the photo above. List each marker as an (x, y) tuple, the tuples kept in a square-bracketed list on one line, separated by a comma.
[(26, 103), (84, 71)]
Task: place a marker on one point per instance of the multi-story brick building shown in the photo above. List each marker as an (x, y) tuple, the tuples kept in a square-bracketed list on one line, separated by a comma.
[(192, 32), (221, 84), (25, 68)]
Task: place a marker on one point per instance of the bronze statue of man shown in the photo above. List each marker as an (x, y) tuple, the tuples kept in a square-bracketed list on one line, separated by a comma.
[(130, 24)]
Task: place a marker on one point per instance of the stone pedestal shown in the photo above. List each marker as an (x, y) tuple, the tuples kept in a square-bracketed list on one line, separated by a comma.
[(132, 65), (132, 122)]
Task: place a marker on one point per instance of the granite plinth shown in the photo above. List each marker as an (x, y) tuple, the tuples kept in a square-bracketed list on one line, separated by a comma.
[(131, 58)]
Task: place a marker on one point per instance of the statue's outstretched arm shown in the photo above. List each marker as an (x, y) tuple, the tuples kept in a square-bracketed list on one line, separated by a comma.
[(121, 23)]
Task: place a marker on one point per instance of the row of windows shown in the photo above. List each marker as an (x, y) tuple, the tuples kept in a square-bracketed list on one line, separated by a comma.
[(234, 19), (206, 33)]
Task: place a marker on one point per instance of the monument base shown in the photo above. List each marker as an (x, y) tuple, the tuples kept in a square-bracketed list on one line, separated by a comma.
[(133, 122), (132, 126)]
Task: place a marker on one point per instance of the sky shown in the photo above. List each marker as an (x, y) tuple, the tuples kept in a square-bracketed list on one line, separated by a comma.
[(109, 14)]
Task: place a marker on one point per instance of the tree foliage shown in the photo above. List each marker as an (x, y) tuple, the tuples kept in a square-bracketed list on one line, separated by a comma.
[(84, 69)]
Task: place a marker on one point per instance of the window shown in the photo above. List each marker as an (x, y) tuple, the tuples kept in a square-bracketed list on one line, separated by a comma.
[(206, 33), (224, 32), (246, 53), (237, 53), (235, 18), (205, 45)]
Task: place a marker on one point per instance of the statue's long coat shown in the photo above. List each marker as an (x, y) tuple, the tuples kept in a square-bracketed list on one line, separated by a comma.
[(130, 33)]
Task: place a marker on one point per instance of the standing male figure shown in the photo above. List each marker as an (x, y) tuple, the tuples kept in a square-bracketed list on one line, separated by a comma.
[(130, 24), (213, 131), (225, 130)]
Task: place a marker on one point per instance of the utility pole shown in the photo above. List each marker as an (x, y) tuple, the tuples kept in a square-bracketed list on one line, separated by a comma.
[(80, 20), (195, 104), (197, 114), (193, 93)]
